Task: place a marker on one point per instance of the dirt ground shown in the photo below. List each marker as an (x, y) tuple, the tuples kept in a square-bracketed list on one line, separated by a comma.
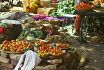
[(94, 54)]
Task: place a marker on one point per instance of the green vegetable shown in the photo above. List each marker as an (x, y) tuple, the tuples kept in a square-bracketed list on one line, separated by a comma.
[(64, 7), (30, 35)]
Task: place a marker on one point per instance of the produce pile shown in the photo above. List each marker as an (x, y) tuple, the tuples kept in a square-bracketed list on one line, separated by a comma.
[(64, 7), (54, 49), (28, 34), (15, 46), (83, 6), (45, 50), (62, 37)]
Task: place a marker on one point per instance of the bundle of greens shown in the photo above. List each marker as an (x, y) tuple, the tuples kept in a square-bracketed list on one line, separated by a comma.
[(64, 7), (28, 34)]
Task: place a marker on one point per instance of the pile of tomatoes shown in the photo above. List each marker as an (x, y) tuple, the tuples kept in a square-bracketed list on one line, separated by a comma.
[(46, 49), (15, 46), (83, 6), (55, 49)]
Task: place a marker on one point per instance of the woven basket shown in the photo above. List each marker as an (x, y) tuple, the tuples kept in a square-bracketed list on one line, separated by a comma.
[(11, 33), (82, 9)]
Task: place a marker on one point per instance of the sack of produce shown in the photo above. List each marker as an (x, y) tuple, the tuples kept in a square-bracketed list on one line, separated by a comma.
[(31, 5)]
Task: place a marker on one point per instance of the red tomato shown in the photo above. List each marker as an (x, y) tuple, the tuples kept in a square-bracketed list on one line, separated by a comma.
[(2, 30)]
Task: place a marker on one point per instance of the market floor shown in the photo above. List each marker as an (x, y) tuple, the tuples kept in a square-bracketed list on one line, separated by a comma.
[(94, 54)]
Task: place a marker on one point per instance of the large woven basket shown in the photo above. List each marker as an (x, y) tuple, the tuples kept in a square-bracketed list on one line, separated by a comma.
[(11, 33), (82, 9)]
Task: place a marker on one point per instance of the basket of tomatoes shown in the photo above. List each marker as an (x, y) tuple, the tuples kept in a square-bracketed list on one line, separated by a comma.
[(83, 6), (51, 50), (15, 46)]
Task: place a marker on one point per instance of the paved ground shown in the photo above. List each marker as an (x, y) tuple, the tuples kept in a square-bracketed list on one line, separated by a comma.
[(94, 53)]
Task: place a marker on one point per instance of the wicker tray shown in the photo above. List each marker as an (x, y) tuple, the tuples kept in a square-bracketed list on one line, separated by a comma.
[(9, 52), (82, 9)]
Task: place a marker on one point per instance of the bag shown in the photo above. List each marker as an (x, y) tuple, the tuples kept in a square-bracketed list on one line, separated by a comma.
[(28, 61)]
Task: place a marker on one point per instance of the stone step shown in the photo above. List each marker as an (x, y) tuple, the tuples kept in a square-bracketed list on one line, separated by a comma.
[(4, 60), (6, 65), (5, 68)]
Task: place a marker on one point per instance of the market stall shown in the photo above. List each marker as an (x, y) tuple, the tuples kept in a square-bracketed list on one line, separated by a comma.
[(40, 37)]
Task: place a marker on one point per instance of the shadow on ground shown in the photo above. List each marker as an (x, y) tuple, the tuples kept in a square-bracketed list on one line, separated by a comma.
[(94, 54)]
